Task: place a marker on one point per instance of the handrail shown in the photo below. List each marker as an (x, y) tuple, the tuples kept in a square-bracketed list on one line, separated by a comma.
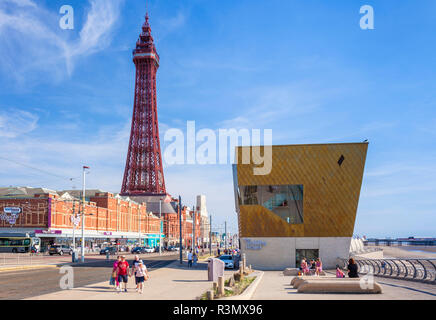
[(423, 270)]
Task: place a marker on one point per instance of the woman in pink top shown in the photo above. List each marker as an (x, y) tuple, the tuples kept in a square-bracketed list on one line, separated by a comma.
[(304, 267), (115, 272), (318, 267)]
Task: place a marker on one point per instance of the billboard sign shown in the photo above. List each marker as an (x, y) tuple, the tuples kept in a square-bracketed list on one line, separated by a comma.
[(10, 214)]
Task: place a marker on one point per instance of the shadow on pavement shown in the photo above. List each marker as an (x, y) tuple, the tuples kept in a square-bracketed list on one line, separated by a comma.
[(408, 288)]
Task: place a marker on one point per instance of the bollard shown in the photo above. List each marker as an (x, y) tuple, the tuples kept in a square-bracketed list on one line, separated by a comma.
[(220, 286), (215, 286), (210, 294)]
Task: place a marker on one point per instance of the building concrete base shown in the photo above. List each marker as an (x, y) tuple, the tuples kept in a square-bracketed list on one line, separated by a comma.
[(280, 253)]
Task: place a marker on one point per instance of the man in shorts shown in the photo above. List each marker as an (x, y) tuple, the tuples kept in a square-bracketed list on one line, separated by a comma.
[(123, 273)]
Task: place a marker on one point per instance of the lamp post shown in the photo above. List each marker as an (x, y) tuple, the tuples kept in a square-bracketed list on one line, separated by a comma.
[(160, 226), (194, 244), (180, 229), (210, 235), (225, 235), (139, 226), (83, 215), (75, 220), (74, 227)]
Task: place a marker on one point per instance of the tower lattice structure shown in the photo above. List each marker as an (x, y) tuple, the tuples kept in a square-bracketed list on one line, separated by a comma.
[(143, 174)]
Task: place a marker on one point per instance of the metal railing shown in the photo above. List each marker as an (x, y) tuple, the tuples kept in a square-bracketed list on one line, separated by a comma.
[(423, 270)]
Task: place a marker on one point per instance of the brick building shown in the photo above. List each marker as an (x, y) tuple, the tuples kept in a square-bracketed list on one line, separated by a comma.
[(172, 230), (48, 214)]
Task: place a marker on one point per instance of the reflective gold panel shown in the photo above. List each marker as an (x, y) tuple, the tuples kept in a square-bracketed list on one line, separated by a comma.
[(331, 177)]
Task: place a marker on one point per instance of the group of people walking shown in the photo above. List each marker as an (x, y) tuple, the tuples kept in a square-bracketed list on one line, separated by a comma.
[(121, 271), (192, 258), (311, 267)]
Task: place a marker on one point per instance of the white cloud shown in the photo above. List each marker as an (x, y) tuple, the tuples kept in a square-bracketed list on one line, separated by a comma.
[(104, 152), (31, 40), (16, 122), (400, 178), (273, 104), (22, 3), (174, 23)]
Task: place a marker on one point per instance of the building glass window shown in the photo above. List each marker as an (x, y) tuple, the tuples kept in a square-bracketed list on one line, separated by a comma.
[(286, 201), (309, 254)]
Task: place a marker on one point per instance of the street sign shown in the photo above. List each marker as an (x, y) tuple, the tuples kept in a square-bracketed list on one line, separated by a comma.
[(75, 220)]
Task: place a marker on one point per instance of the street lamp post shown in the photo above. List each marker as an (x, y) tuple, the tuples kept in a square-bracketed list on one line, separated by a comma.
[(83, 215), (139, 227), (225, 235), (194, 243), (180, 228), (74, 226), (160, 226), (210, 235)]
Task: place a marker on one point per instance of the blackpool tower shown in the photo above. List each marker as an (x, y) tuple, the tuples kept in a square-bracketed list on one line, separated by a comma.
[(143, 175)]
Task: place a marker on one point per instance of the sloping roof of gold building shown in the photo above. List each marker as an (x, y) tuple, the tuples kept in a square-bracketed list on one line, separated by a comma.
[(331, 189)]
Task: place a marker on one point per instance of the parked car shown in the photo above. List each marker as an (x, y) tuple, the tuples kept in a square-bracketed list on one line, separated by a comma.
[(111, 250), (228, 261), (138, 250), (149, 249), (60, 250)]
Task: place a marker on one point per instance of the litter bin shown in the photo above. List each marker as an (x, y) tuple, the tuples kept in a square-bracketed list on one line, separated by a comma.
[(74, 256), (215, 269)]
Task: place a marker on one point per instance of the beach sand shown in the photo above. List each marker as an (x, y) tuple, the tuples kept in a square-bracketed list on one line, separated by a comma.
[(415, 252)]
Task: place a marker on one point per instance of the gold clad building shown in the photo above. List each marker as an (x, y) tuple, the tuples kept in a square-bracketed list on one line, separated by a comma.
[(302, 205)]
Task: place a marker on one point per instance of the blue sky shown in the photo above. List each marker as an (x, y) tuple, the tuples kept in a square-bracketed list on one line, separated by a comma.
[(303, 68)]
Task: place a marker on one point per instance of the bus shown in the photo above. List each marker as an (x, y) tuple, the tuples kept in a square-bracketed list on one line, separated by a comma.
[(18, 242)]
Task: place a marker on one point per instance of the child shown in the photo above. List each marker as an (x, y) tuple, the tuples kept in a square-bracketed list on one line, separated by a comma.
[(339, 272), (114, 278)]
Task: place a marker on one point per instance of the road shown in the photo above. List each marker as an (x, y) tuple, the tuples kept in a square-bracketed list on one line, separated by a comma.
[(29, 283)]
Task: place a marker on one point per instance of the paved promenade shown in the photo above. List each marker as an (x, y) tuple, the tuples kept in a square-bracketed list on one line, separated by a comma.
[(173, 282), (20, 260), (276, 286)]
